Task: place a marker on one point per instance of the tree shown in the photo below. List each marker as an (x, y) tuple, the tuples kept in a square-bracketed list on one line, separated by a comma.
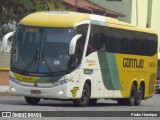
[(13, 10)]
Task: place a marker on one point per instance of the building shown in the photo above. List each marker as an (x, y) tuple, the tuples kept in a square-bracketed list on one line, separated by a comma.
[(85, 6), (4, 70), (142, 13)]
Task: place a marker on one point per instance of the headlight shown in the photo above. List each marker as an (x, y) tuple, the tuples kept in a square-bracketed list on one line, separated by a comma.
[(13, 89), (13, 79), (61, 82)]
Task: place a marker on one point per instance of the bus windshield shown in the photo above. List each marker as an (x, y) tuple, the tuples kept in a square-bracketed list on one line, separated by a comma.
[(158, 70), (40, 51)]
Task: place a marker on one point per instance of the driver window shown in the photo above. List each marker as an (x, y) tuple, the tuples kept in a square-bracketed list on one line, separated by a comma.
[(82, 29)]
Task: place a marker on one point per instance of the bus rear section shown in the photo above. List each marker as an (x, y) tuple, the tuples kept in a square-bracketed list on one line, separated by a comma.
[(158, 75)]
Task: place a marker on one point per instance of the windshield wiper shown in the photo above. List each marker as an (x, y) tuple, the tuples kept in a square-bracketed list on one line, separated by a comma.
[(49, 69), (35, 57)]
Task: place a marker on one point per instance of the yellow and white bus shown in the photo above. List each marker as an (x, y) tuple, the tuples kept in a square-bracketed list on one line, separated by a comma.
[(82, 57)]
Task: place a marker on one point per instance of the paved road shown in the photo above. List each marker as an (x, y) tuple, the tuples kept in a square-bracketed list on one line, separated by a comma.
[(14, 103)]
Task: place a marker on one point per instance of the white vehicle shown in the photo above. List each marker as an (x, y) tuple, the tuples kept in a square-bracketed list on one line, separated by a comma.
[(82, 57)]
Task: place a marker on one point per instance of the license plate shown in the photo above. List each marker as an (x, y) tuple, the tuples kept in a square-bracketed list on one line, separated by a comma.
[(35, 92)]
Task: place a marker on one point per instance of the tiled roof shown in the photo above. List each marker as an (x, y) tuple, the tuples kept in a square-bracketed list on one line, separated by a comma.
[(84, 4)]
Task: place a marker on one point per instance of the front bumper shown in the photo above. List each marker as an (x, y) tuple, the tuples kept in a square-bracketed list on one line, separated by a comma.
[(57, 92)]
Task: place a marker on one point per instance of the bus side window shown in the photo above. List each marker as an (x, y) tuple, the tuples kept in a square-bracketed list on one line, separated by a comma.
[(95, 40), (77, 57), (92, 45)]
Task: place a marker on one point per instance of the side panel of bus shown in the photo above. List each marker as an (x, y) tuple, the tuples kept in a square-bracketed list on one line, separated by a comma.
[(119, 58)]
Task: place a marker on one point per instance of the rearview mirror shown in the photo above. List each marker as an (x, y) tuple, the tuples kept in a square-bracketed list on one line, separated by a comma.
[(73, 42), (5, 40)]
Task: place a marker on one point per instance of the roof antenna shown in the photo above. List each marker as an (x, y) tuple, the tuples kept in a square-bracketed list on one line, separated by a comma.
[(92, 12), (105, 13)]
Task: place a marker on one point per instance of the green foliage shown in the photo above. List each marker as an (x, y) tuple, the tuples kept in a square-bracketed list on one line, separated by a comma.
[(16, 9), (4, 30), (57, 4)]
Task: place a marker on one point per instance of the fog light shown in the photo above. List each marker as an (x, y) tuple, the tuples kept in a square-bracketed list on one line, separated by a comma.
[(13, 89), (60, 93)]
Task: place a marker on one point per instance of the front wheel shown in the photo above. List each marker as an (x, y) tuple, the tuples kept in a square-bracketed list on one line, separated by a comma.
[(84, 100), (32, 100)]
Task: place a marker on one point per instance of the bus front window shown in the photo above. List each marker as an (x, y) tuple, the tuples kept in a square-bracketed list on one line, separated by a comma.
[(41, 50), (55, 49)]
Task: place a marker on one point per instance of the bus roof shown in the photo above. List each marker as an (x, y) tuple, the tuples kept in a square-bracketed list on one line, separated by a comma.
[(71, 19), (54, 19)]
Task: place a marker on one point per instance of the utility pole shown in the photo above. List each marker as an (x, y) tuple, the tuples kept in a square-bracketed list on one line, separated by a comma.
[(149, 13), (137, 12)]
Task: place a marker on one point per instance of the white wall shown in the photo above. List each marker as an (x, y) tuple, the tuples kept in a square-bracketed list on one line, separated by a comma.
[(155, 18), (139, 13)]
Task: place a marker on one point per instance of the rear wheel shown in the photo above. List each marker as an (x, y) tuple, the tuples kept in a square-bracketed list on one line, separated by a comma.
[(84, 100), (132, 98), (139, 93), (32, 100)]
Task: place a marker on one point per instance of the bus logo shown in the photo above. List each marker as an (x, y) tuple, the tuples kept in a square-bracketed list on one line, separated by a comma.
[(74, 91)]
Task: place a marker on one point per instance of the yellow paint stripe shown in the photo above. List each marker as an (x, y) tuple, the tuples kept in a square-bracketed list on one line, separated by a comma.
[(25, 78), (7, 69)]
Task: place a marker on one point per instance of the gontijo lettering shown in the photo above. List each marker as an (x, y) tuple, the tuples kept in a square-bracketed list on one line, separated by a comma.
[(133, 63)]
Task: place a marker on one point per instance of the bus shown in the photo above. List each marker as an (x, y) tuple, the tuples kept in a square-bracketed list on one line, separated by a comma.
[(82, 57), (158, 75)]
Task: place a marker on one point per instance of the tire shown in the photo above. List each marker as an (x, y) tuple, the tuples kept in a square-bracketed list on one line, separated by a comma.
[(158, 91), (139, 94), (132, 98), (84, 100), (92, 102), (32, 100)]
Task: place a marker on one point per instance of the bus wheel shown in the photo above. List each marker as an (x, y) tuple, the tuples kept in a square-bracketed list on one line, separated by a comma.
[(131, 100), (138, 96), (84, 100), (92, 102), (32, 100)]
